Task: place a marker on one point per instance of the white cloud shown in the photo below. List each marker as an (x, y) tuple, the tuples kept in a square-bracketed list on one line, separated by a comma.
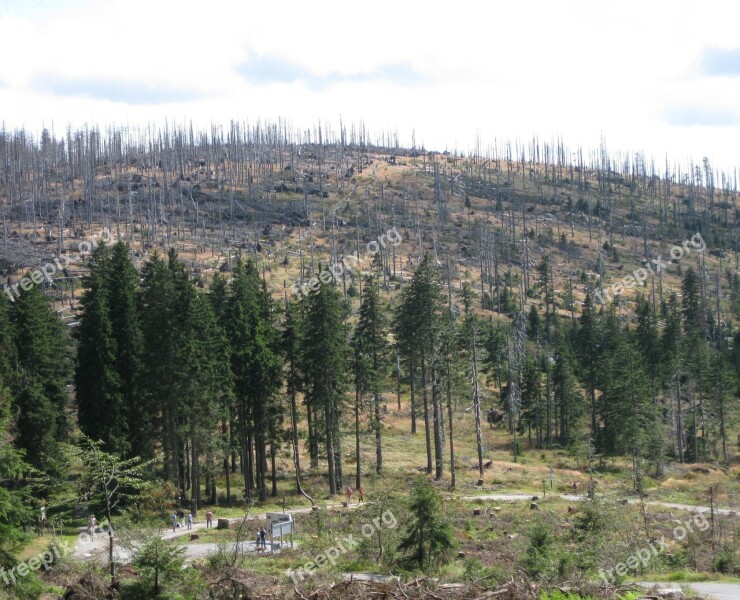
[(629, 70)]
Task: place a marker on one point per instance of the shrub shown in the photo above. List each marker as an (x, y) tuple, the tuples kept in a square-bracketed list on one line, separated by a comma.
[(221, 560), (538, 559), (592, 518), (726, 561), (558, 595), (159, 563), (429, 537)]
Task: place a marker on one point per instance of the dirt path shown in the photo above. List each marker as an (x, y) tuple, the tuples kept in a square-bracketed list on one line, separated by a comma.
[(707, 589), (574, 498), (86, 549)]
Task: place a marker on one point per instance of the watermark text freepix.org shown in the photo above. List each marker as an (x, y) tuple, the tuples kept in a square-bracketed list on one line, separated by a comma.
[(45, 559), (644, 555), (341, 546), (334, 272), (638, 277), (57, 551), (52, 268)]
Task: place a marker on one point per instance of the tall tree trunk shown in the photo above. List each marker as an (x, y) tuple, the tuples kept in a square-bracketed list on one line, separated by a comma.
[(194, 478), (330, 449), (294, 433), (227, 470), (412, 380), (425, 396), (313, 442), (378, 436), (358, 475), (679, 418), (338, 454), (273, 456), (438, 443), (398, 378), (449, 416), (476, 406)]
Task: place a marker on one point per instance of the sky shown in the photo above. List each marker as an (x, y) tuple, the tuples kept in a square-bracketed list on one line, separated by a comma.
[(662, 78)]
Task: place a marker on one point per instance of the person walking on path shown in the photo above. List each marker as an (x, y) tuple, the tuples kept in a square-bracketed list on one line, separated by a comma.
[(174, 522), (263, 537), (258, 540), (361, 493), (349, 492), (190, 520), (42, 519), (91, 527), (209, 519)]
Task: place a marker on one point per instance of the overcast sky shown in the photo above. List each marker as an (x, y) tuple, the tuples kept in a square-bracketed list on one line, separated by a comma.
[(659, 77)]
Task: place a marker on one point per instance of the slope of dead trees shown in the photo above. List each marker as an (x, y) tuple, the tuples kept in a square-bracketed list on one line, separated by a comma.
[(249, 188)]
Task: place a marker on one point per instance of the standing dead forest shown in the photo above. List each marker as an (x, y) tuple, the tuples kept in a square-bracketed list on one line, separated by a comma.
[(238, 319)]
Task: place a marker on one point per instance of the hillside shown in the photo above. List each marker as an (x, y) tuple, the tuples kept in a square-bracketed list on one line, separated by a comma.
[(264, 298), (281, 199)]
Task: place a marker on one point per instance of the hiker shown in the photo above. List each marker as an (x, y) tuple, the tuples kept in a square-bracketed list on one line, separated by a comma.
[(42, 520), (91, 527), (190, 520), (209, 519), (258, 540), (174, 522), (349, 495), (575, 487), (263, 537), (361, 492)]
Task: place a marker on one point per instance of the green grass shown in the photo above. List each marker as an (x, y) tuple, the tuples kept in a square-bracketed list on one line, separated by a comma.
[(36, 545), (558, 595)]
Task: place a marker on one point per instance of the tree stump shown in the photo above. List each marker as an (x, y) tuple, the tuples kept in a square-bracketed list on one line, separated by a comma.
[(223, 524), (534, 506), (194, 536), (476, 512)]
